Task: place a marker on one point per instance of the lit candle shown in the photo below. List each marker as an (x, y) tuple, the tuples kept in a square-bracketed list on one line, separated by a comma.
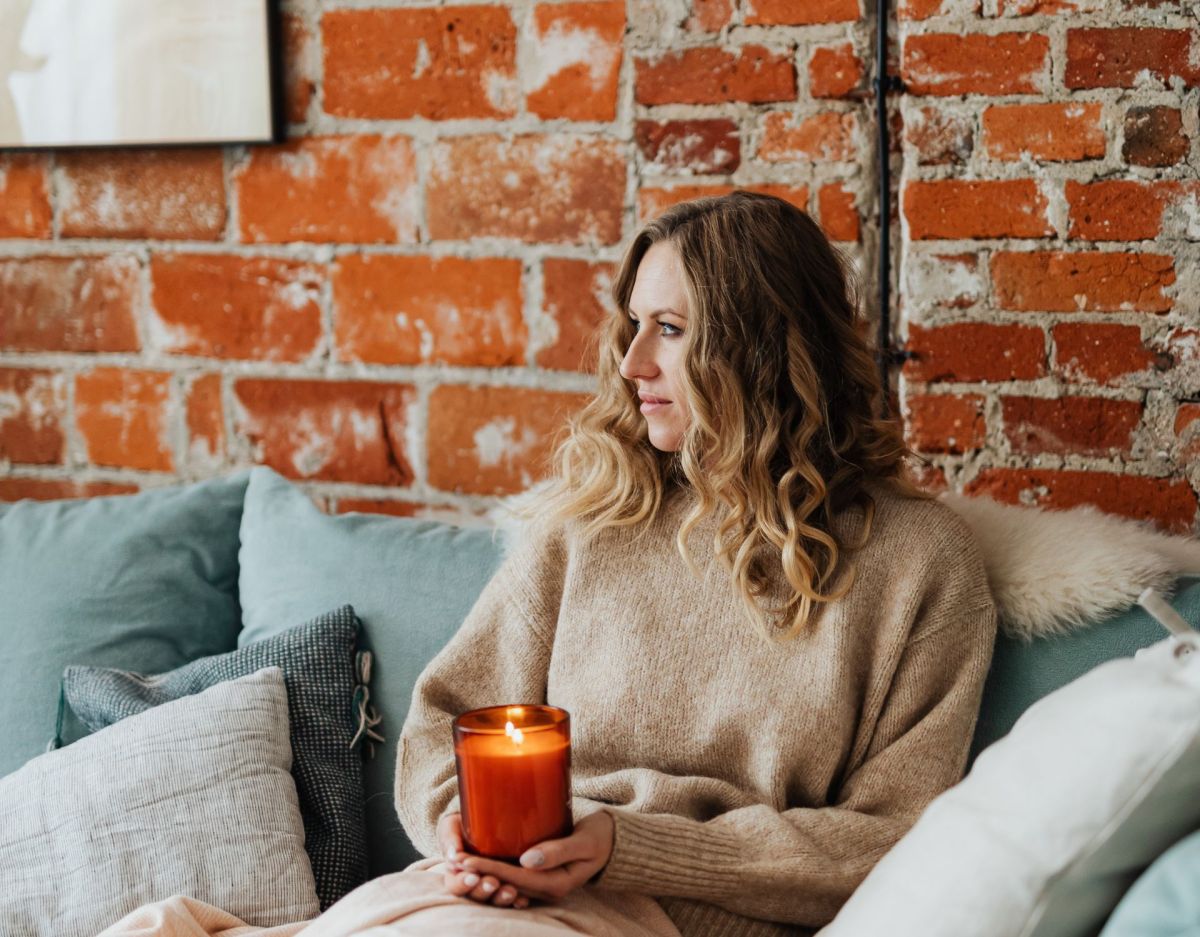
[(514, 778)]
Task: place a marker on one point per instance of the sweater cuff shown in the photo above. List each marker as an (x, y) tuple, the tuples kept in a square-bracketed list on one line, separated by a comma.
[(663, 855)]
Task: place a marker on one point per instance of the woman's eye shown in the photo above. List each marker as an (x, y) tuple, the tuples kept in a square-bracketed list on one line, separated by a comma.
[(668, 329)]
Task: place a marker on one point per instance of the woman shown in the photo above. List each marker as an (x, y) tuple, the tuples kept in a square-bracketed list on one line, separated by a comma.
[(771, 645)]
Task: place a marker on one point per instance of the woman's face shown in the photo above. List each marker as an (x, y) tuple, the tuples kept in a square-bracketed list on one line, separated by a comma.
[(654, 360)]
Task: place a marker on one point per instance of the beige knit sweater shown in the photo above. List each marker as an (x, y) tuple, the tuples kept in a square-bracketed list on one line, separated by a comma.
[(750, 782)]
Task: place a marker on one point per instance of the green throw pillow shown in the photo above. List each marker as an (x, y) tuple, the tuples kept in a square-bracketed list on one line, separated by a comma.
[(146, 582), (411, 582), (318, 664)]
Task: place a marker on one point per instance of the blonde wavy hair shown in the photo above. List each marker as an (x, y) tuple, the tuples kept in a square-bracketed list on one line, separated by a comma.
[(784, 396)]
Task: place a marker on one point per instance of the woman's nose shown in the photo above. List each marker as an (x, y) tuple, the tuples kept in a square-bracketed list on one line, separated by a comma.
[(637, 362)]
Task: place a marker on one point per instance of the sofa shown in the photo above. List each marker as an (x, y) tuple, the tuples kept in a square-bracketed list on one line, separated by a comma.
[(96, 594)]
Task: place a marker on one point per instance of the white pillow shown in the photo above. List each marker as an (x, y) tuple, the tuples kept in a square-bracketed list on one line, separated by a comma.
[(1056, 820), (194, 797)]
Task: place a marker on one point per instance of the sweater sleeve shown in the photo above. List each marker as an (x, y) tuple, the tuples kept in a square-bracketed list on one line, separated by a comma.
[(800, 865), (499, 655)]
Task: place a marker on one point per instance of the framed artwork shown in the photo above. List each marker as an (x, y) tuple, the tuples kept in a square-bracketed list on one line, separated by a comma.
[(130, 72)]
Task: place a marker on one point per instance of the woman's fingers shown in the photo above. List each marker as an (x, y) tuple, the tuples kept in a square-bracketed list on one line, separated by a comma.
[(505, 896), (486, 888), (449, 833)]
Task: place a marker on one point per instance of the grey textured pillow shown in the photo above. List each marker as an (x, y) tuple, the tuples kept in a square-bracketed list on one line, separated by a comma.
[(318, 664), (194, 797)]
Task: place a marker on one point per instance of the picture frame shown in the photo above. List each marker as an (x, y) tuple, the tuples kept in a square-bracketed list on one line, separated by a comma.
[(104, 73)]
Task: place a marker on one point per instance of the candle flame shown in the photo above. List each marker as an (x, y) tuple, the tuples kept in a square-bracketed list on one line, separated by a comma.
[(514, 733)]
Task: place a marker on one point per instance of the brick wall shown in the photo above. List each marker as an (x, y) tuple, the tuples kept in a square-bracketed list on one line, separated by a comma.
[(1050, 258), (392, 307)]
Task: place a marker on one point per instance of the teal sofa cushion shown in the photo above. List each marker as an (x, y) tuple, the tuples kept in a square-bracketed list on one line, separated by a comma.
[(1023, 672), (1165, 900), (411, 582), (142, 582)]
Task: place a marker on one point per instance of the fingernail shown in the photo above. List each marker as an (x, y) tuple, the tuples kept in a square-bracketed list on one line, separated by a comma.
[(452, 854), (471, 880), (488, 886), (533, 859)]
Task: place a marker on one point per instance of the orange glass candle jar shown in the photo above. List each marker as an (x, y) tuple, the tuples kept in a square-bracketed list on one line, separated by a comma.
[(514, 778)]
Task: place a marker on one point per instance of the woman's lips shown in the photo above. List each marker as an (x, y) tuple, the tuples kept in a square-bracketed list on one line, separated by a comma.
[(649, 406)]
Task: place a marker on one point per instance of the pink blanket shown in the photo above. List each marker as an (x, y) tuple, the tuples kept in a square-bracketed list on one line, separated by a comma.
[(412, 903)]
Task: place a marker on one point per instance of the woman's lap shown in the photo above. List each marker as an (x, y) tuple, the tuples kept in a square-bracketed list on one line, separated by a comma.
[(413, 903)]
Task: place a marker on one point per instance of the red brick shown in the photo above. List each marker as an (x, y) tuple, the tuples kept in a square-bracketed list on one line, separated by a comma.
[(829, 136), (1070, 425), (709, 16), (919, 9), (1187, 434), (953, 424), (1154, 136), (839, 213), (176, 193), (944, 281), (352, 189), (940, 138), (124, 418), (1102, 353), (707, 75), (975, 351), (24, 196), (1045, 7), (32, 410), (1121, 209), (957, 208), (421, 310), (205, 420), (698, 146), (494, 440), (1168, 503), (553, 188), (800, 12), (949, 64), (653, 201), (834, 71), (1056, 132), (1114, 58), (577, 58), (440, 63), (578, 300), (229, 306), (1182, 348), (342, 431), (54, 489), (301, 52), (389, 507), (1082, 281), (80, 304)]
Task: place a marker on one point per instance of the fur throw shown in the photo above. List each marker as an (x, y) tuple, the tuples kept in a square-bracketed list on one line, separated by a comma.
[(1051, 572), (1054, 571)]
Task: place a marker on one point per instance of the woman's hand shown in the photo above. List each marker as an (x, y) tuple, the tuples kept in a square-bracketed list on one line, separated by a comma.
[(555, 868), (478, 886)]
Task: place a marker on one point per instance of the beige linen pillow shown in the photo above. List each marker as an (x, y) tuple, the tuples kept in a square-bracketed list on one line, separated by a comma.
[(194, 797)]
